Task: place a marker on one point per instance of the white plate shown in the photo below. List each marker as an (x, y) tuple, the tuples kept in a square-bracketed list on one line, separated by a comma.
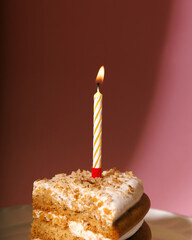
[(169, 226)]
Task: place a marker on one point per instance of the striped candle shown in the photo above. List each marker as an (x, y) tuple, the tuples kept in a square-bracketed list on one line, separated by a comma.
[(97, 127)]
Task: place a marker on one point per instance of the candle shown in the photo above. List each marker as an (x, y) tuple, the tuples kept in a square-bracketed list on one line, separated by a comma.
[(97, 127)]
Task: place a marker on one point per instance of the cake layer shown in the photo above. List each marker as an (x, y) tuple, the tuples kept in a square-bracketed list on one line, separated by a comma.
[(107, 197), (75, 230), (143, 233), (127, 222)]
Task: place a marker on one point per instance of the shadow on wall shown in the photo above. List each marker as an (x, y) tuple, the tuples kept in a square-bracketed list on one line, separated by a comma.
[(51, 51), (134, 52)]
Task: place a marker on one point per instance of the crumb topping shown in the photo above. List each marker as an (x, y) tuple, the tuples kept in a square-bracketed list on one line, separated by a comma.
[(110, 179)]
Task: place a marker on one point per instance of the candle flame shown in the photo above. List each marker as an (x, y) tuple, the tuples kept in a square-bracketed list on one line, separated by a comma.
[(100, 75)]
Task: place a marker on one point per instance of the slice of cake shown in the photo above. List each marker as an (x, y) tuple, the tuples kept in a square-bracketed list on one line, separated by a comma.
[(78, 206)]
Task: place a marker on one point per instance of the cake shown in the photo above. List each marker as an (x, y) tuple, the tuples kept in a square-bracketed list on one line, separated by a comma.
[(77, 206)]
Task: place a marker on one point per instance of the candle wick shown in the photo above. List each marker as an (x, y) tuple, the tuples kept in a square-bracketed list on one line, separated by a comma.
[(98, 87)]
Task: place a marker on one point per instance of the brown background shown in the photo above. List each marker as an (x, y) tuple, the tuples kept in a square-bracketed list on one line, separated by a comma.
[(51, 52)]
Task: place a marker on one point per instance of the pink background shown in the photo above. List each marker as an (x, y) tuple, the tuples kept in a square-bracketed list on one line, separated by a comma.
[(51, 52)]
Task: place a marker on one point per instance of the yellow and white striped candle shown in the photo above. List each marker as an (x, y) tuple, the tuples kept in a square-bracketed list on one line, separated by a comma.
[(97, 127)]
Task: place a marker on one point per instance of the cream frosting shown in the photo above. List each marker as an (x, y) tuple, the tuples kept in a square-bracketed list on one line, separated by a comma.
[(78, 230), (122, 201)]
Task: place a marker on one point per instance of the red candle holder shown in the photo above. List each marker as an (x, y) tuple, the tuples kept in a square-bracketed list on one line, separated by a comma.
[(96, 172)]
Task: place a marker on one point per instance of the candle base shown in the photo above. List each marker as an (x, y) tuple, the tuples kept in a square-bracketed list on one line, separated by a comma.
[(96, 172)]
